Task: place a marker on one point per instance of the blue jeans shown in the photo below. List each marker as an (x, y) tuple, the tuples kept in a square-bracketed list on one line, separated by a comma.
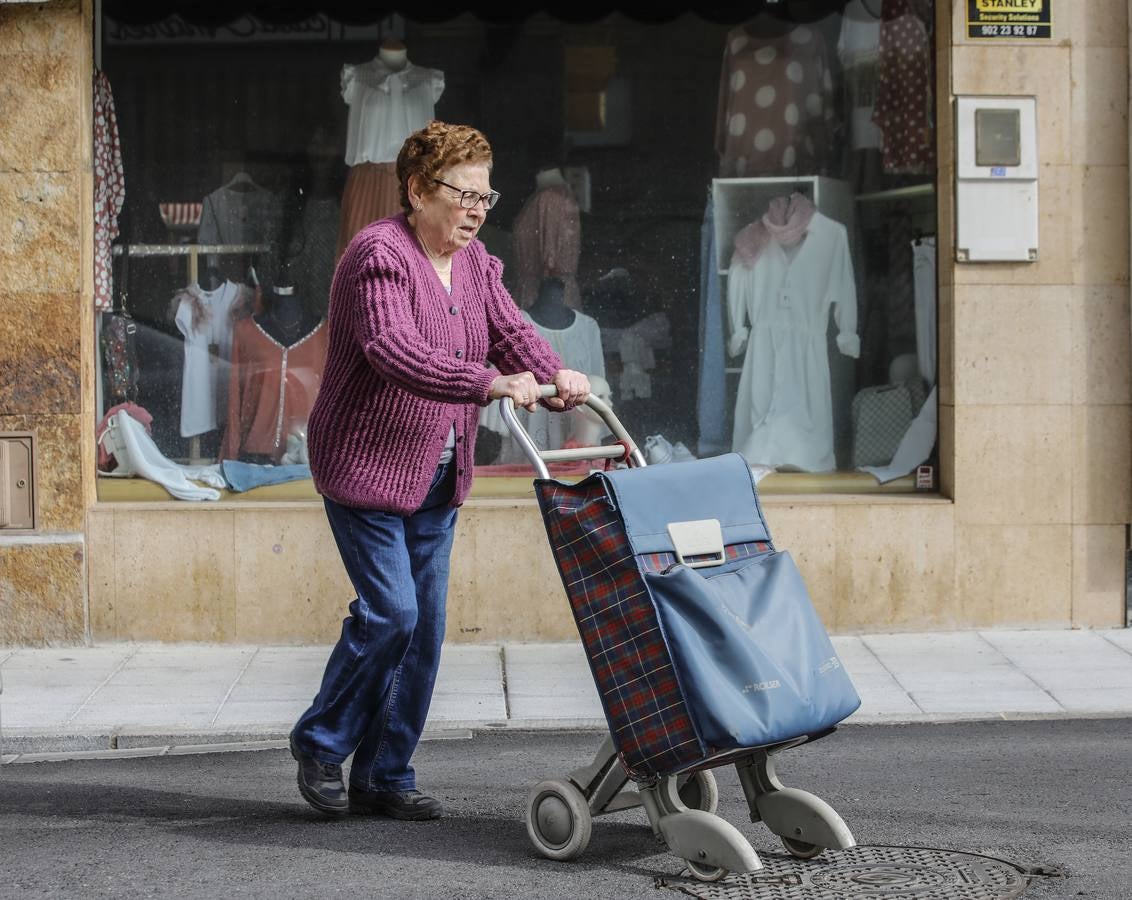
[(378, 681)]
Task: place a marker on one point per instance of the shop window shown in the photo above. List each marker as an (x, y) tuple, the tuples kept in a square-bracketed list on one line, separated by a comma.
[(728, 223)]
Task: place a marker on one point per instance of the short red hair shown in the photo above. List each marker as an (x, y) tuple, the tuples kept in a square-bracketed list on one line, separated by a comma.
[(428, 152)]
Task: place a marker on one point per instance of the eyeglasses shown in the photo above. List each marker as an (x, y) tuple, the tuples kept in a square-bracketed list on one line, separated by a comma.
[(469, 199)]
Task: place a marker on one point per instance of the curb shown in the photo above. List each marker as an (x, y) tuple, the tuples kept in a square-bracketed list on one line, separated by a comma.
[(32, 745)]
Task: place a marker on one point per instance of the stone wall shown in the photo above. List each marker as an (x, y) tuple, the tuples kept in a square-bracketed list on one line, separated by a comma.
[(1037, 389)]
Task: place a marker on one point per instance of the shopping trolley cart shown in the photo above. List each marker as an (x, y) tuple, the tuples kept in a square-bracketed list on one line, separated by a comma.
[(704, 647)]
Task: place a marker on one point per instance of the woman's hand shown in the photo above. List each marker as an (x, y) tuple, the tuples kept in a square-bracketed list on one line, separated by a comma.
[(573, 388), (521, 388)]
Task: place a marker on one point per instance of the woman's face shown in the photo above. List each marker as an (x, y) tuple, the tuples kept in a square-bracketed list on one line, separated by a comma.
[(446, 225)]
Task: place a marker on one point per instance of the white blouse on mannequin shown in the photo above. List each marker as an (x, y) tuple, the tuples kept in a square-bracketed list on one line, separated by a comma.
[(386, 106)]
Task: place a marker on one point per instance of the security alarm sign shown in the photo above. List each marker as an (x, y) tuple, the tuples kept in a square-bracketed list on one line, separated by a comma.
[(1009, 19)]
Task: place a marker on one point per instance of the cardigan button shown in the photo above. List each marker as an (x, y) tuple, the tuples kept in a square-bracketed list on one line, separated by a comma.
[(453, 310), (459, 354)]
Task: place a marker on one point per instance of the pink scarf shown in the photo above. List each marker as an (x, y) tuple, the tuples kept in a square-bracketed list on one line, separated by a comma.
[(785, 222)]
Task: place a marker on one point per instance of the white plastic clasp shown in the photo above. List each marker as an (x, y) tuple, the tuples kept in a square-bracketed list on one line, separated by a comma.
[(702, 537)]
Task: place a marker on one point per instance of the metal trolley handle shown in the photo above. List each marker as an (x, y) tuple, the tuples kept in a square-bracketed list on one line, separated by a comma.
[(539, 458)]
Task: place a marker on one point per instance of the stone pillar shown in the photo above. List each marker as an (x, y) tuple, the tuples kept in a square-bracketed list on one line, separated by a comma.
[(45, 299)]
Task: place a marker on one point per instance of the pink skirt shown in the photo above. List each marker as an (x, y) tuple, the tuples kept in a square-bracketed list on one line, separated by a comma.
[(371, 193)]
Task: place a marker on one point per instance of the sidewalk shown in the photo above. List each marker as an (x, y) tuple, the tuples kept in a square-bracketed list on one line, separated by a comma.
[(174, 697)]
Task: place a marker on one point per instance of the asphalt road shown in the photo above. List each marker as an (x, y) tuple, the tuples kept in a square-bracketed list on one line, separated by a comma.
[(1054, 793)]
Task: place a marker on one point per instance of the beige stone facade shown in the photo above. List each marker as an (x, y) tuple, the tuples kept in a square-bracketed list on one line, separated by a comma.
[(1035, 405)]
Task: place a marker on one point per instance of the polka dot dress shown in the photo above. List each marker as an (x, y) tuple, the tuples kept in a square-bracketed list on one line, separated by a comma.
[(903, 109), (775, 104), (109, 189)]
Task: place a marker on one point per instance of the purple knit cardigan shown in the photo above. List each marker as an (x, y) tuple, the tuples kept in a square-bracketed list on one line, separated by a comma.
[(406, 361)]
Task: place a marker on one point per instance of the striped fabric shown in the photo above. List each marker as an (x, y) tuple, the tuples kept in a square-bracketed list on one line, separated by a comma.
[(174, 214), (648, 717), (658, 562)]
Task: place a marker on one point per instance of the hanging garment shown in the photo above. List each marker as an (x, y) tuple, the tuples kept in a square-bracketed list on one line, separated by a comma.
[(129, 442), (858, 48), (372, 192), (249, 214), (109, 189), (780, 308), (313, 259), (637, 362), (775, 111), (923, 275), (272, 389), (546, 240), (207, 319), (636, 344), (904, 104), (900, 289), (386, 106), (711, 411)]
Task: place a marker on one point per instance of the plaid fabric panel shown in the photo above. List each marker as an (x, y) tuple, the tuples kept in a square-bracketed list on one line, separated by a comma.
[(648, 717), (658, 562)]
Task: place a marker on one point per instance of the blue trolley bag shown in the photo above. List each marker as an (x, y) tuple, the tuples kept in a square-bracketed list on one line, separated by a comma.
[(732, 645)]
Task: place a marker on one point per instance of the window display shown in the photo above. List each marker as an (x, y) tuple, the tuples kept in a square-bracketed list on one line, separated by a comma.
[(751, 267)]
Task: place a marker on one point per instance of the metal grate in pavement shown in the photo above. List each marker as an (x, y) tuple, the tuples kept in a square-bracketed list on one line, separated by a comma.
[(865, 873)]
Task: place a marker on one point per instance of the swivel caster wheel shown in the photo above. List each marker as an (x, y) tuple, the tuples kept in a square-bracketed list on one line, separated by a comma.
[(558, 820), (704, 872), (700, 791), (802, 849)]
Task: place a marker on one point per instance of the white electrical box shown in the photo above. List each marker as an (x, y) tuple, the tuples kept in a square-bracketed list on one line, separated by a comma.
[(996, 179)]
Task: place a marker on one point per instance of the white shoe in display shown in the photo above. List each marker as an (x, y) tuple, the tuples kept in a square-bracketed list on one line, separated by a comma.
[(658, 450)]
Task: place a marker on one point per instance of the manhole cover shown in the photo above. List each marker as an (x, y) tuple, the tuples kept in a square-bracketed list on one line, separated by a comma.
[(866, 873)]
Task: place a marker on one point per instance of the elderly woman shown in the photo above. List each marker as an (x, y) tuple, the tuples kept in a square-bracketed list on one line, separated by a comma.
[(418, 313)]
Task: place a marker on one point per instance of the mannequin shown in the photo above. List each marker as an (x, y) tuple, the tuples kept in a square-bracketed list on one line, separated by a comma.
[(286, 319), (388, 98), (394, 54), (546, 237), (576, 338), (549, 309), (545, 178)]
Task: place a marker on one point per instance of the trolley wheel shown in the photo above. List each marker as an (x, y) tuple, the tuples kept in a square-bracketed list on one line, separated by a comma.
[(558, 820), (700, 791), (705, 873), (801, 849)]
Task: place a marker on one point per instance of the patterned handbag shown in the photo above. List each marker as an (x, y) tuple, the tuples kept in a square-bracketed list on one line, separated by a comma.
[(880, 418), (119, 356), (119, 345)]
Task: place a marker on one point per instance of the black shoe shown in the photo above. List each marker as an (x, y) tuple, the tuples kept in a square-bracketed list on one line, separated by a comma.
[(320, 783), (411, 805)]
